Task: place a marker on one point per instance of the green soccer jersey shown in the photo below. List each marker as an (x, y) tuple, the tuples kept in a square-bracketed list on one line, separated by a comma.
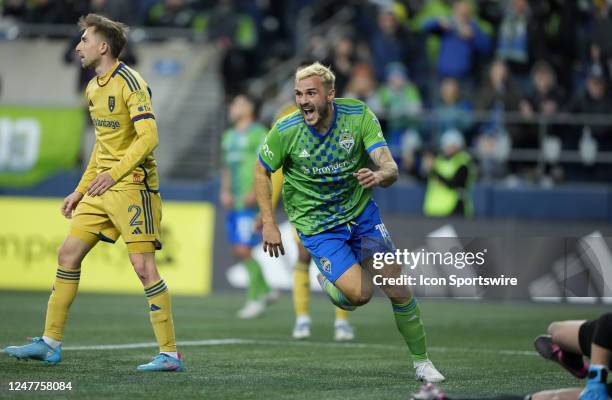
[(239, 156), (319, 189)]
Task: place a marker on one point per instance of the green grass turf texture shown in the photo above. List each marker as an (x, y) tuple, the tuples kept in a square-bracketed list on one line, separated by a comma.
[(465, 340)]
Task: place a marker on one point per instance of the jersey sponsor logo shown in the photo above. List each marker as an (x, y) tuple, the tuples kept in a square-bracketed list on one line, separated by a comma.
[(330, 169), (106, 123), (136, 178), (144, 108), (325, 264), (304, 154), (91, 103), (305, 169), (380, 135), (266, 150), (346, 140), (111, 103)]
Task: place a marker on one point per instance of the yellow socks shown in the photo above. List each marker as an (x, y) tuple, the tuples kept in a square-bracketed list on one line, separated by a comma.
[(64, 291), (301, 289), (341, 315), (161, 316)]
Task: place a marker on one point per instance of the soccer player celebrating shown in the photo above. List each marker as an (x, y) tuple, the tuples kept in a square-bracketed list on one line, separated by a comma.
[(343, 331), (117, 196), (323, 149), (240, 144)]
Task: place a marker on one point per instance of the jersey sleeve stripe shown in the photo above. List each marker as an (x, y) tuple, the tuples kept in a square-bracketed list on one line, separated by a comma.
[(131, 76), (126, 81), (351, 108), (348, 106), (143, 116), (375, 146), (288, 121), (266, 165), (285, 127)]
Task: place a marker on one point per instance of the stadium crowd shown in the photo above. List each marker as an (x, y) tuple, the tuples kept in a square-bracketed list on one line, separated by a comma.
[(512, 74)]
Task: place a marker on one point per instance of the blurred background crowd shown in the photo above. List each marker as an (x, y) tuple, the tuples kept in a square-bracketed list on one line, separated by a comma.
[(524, 85)]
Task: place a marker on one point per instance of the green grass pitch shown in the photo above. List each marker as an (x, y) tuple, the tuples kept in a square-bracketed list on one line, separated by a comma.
[(482, 348)]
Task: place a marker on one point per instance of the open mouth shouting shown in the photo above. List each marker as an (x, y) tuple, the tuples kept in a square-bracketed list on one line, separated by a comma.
[(310, 114)]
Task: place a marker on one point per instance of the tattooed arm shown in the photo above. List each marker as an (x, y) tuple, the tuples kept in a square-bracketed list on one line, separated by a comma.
[(386, 173)]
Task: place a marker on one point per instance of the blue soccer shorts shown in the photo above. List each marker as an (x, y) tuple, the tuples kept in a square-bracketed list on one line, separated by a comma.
[(240, 228), (337, 249)]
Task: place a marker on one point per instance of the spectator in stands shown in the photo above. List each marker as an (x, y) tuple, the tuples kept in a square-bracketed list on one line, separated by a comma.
[(341, 61), (546, 95), (595, 99), (451, 113), (461, 40), (235, 34), (601, 45), (388, 42), (497, 96), (544, 102), (362, 86), (451, 177), (516, 41), (401, 106)]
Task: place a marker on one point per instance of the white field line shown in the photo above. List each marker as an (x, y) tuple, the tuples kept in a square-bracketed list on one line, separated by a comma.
[(235, 341)]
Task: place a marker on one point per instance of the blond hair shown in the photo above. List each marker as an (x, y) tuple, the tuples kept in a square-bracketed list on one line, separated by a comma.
[(317, 69)]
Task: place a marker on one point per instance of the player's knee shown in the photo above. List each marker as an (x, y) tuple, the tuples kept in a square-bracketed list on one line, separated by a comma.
[(144, 269), (360, 296), (68, 258)]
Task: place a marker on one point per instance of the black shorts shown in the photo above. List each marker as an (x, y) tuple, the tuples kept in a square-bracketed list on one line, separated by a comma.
[(585, 338)]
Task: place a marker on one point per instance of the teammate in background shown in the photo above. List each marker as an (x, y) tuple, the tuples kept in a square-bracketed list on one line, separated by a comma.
[(323, 149), (566, 344), (343, 331), (118, 195), (240, 144)]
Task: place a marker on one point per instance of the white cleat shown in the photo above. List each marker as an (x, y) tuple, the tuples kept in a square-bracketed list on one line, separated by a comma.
[(426, 372), (252, 309), (343, 331), (301, 330)]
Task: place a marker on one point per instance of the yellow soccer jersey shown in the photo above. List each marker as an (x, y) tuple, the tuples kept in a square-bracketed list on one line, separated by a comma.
[(126, 133)]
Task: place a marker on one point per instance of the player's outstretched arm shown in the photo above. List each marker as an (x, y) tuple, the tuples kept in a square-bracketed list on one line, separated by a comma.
[(272, 242), (385, 175)]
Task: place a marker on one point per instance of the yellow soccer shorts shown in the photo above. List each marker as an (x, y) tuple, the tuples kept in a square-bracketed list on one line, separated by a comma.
[(133, 214)]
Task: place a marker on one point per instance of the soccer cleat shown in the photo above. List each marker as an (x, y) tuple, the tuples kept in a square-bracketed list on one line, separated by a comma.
[(163, 362), (573, 363), (343, 331), (426, 372), (37, 350), (301, 330), (596, 388), (428, 391), (327, 285), (252, 309)]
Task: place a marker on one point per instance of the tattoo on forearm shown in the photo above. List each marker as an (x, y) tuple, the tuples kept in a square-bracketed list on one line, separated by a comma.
[(386, 165)]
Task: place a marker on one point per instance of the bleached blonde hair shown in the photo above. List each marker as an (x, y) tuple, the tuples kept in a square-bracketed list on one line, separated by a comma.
[(317, 69)]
